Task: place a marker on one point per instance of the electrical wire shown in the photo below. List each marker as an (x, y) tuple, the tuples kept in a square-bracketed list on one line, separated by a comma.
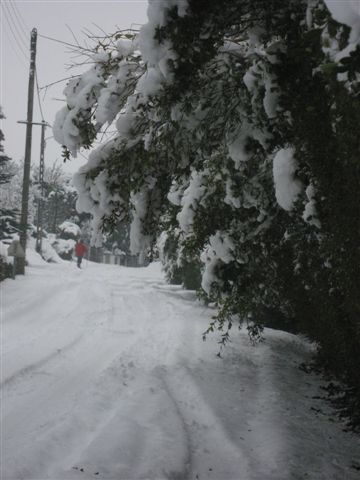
[(21, 60), (59, 81), (14, 17), (17, 26), (38, 95), (15, 36), (20, 48), (12, 45), (15, 22), (77, 47), (15, 7)]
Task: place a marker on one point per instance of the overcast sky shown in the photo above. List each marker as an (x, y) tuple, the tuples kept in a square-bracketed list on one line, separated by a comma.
[(50, 18)]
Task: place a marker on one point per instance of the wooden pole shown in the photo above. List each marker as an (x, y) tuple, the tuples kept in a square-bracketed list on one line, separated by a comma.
[(27, 160), (39, 230)]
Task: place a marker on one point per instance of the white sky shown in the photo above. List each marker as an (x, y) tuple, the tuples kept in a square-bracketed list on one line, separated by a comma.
[(50, 17)]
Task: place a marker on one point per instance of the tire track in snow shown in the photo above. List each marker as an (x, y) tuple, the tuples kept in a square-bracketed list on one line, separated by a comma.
[(58, 384), (33, 345), (140, 396), (32, 368), (160, 372), (133, 368), (133, 436), (212, 454), (138, 304), (19, 311), (102, 347), (53, 411)]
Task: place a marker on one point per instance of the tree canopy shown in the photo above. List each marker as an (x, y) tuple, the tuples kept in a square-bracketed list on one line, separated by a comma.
[(236, 143)]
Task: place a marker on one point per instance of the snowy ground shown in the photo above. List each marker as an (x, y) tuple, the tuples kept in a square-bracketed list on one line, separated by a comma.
[(105, 375)]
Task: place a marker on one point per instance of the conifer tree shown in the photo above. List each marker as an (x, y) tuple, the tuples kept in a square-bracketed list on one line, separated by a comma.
[(8, 214)]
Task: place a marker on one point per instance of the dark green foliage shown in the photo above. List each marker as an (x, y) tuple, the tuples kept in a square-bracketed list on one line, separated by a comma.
[(119, 238), (327, 141), (260, 262), (300, 276), (187, 272)]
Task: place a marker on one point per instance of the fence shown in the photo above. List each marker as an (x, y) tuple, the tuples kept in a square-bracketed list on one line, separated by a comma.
[(123, 260)]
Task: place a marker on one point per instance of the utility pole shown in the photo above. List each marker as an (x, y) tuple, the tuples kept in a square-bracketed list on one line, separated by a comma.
[(39, 229), (27, 160)]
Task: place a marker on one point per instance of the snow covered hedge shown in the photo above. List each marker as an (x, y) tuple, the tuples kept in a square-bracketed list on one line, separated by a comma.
[(6, 262), (236, 135)]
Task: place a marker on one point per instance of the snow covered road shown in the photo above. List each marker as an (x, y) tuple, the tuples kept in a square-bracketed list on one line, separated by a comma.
[(104, 375)]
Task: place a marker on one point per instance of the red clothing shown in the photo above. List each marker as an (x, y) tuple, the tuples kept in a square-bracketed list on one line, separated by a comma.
[(80, 249)]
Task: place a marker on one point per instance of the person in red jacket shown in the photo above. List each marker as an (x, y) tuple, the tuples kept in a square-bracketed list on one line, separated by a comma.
[(80, 250)]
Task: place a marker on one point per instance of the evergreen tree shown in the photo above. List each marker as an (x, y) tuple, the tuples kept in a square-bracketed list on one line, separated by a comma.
[(8, 213), (59, 198)]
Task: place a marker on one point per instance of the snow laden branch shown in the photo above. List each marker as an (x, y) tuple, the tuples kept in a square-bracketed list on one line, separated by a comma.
[(235, 146)]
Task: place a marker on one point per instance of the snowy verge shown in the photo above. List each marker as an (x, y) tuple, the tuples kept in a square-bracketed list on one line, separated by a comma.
[(105, 375)]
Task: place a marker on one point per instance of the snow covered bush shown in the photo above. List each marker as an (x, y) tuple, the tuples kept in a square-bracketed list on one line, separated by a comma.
[(8, 211), (64, 248), (236, 134), (6, 262), (64, 242), (69, 230), (48, 251)]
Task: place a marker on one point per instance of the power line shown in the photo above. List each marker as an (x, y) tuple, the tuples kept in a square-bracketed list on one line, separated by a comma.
[(38, 95), (21, 48), (18, 34), (14, 4), (77, 47), (21, 60), (22, 35), (59, 81), (16, 30)]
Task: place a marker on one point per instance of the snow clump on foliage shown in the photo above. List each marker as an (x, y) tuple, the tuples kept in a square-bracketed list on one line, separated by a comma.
[(347, 12), (70, 228), (287, 187), (218, 251)]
